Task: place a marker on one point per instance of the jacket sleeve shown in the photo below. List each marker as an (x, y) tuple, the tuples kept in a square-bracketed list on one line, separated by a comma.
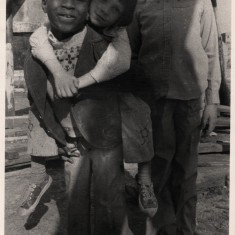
[(36, 81), (210, 43)]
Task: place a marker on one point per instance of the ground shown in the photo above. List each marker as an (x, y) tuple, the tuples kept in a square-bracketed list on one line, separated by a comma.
[(48, 219)]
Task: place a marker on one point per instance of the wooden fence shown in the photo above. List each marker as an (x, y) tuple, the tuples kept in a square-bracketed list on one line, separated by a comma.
[(23, 17)]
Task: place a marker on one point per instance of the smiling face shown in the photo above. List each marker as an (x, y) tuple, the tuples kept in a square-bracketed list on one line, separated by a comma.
[(67, 17), (105, 13)]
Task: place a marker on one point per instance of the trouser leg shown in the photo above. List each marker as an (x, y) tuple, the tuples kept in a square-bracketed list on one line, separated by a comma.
[(184, 174), (109, 194), (110, 217), (164, 146), (77, 179), (38, 169), (177, 130)]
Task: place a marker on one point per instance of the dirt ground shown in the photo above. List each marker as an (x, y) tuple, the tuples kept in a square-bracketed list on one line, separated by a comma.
[(48, 218)]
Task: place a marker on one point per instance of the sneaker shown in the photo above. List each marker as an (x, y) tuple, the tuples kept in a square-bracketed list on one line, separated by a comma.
[(147, 200), (33, 196)]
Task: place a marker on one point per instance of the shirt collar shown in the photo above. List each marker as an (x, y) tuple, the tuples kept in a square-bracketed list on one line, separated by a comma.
[(75, 40)]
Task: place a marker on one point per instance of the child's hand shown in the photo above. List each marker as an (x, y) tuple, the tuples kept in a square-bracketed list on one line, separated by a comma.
[(77, 84), (65, 85), (209, 119)]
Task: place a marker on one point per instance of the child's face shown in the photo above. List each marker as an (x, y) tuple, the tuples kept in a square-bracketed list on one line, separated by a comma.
[(67, 17), (105, 13)]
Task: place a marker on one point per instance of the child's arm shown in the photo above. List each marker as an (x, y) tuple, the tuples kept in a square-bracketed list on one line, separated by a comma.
[(115, 61), (42, 50), (209, 37)]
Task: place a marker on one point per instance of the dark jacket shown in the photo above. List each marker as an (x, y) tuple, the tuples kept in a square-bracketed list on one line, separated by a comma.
[(95, 109)]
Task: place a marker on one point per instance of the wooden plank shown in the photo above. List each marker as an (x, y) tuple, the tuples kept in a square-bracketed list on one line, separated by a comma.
[(16, 132), (210, 147), (223, 122), (25, 27), (22, 105), (225, 144), (218, 147), (25, 161), (16, 153), (16, 139), (20, 159), (17, 121), (17, 166), (224, 109), (19, 147), (222, 130), (20, 93), (19, 73), (223, 112), (19, 81)]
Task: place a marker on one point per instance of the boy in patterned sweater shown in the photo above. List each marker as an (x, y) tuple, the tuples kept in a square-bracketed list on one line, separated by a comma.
[(115, 60)]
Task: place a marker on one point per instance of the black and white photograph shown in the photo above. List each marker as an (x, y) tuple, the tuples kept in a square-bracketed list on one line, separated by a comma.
[(117, 117)]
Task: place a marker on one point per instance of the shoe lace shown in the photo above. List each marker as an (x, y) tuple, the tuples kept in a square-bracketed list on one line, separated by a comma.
[(148, 193), (145, 191), (30, 191)]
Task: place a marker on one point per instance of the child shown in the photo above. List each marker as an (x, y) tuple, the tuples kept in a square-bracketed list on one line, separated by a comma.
[(176, 47), (99, 117), (106, 17)]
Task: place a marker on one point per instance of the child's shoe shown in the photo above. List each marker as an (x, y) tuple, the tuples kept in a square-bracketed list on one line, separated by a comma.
[(33, 196), (147, 200)]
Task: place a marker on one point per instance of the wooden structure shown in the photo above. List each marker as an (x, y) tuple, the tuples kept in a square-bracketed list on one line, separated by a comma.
[(23, 17)]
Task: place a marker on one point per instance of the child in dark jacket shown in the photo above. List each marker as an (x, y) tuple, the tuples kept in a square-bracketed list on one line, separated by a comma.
[(137, 143), (103, 159)]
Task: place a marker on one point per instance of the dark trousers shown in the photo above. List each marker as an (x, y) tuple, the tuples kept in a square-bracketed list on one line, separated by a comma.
[(176, 128), (106, 168)]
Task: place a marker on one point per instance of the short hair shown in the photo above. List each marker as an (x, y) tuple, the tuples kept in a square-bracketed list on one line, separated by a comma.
[(127, 15)]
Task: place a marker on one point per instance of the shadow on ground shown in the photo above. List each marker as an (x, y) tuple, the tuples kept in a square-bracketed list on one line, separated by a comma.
[(49, 217)]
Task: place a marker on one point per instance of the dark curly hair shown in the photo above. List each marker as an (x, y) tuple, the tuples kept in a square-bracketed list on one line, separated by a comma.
[(127, 15)]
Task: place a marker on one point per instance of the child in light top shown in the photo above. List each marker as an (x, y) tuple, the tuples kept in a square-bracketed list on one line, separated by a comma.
[(107, 17)]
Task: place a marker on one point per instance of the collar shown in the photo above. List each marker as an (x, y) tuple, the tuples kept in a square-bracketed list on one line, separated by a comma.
[(75, 40)]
